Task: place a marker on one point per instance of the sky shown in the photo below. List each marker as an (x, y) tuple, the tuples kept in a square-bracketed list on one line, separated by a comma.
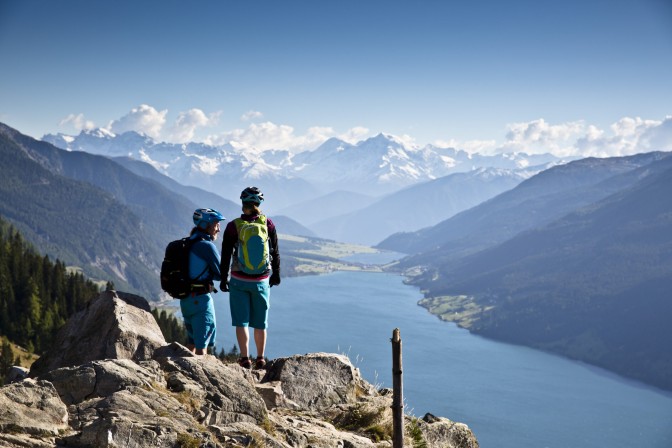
[(571, 77)]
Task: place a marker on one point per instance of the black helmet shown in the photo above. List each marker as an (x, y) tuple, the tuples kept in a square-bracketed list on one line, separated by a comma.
[(252, 194)]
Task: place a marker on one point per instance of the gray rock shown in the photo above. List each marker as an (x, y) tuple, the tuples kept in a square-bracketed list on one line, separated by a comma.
[(113, 326), (133, 417), (16, 373), (101, 378), (302, 431), (441, 432), (111, 381), (317, 380), (32, 407), (229, 395), (273, 396), (24, 441)]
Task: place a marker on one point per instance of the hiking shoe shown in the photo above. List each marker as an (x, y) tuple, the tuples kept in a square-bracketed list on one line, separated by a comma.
[(245, 362), (260, 363)]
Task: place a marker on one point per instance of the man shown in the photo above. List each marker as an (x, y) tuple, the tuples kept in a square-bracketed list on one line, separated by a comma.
[(251, 242), (198, 309)]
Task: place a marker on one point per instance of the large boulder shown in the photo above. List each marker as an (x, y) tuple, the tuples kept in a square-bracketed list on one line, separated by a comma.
[(113, 326), (317, 381), (102, 378), (32, 408), (133, 417), (222, 393)]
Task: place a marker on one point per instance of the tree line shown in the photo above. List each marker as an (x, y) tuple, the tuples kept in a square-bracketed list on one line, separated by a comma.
[(37, 295)]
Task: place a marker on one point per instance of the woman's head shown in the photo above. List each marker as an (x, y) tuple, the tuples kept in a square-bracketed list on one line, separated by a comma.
[(250, 208), (251, 198)]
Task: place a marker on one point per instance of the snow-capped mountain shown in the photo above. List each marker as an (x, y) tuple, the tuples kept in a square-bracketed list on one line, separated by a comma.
[(375, 166)]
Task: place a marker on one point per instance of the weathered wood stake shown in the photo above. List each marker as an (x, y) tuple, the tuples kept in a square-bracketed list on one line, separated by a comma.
[(398, 393)]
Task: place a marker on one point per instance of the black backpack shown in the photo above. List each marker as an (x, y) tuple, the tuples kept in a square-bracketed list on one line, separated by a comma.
[(175, 270)]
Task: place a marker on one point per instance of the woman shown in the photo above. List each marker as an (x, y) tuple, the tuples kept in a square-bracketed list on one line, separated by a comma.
[(250, 249)]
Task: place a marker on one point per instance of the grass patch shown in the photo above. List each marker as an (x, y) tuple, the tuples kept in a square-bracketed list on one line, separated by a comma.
[(26, 358), (462, 310), (367, 422), (415, 433), (310, 256), (185, 440)]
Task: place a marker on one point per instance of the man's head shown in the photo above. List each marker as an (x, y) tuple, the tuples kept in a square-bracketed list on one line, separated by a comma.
[(207, 220)]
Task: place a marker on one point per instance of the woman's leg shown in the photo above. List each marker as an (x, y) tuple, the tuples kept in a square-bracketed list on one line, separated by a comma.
[(260, 341), (243, 337)]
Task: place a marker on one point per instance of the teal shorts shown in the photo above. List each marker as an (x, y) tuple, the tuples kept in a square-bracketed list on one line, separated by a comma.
[(249, 303), (199, 320)]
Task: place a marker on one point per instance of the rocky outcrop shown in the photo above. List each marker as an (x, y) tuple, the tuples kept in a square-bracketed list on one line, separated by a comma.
[(131, 389), (113, 326)]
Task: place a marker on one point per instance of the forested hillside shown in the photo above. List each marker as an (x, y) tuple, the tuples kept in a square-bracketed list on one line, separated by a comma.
[(76, 222), (37, 294)]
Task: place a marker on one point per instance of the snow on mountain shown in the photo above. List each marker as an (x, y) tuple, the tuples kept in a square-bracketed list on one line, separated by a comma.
[(375, 166)]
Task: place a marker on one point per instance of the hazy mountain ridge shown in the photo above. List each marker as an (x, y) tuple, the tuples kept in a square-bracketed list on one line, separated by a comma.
[(592, 284), (543, 197), (375, 166), (73, 220), (419, 205), (92, 212)]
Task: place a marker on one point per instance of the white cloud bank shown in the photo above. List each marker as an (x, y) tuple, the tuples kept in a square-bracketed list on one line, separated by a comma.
[(78, 122), (625, 137), (575, 138), (186, 124), (143, 119)]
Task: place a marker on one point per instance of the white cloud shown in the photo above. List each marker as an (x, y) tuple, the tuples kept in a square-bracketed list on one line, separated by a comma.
[(268, 135), (471, 146), (538, 137), (355, 134), (251, 115), (143, 119), (658, 138), (78, 122), (188, 122), (627, 136)]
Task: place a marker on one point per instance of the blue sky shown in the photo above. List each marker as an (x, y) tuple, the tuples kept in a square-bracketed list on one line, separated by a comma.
[(588, 76)]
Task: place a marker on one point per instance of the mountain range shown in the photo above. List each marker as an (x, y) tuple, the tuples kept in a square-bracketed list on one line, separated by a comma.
[(332, 188), (110, 217), (575, 260)]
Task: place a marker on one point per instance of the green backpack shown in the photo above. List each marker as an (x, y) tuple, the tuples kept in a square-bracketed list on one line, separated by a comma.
[(253, 250)]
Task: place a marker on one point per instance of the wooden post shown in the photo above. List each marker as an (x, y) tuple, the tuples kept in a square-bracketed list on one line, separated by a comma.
[(398, 393)]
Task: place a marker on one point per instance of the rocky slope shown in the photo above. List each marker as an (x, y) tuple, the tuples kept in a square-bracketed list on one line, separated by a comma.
[(112, 381)]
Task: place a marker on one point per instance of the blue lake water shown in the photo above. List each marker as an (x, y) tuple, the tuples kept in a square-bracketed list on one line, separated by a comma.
[(510, 396)]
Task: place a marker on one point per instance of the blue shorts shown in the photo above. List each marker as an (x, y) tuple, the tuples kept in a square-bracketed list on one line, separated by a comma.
[(199, 320), (249, 302)]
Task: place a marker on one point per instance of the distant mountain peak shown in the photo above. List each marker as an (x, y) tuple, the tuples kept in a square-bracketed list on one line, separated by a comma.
[(379, 165)]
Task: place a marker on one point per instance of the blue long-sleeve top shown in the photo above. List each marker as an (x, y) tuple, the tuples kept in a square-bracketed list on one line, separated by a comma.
[(204, 259)]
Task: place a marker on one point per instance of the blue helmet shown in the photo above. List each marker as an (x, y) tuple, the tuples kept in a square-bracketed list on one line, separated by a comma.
[(205, 216), (252, 194)]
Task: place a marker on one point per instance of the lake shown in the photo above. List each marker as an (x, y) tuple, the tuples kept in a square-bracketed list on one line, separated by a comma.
[(510, 396)]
